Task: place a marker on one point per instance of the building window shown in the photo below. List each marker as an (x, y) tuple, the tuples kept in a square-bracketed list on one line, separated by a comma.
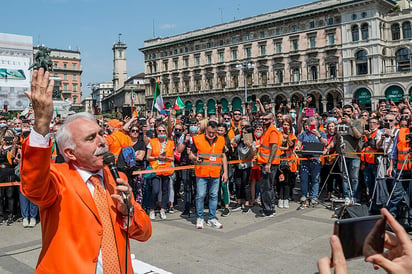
[(406, 30), (209, 45), (278, 47), (262, 50), (314, 72), (296, 75), (248, 52), (74, 66), (74, 87), (365, 31), (262, 34), (312, 42), (176, 62), (402, 60), (186, 62), (312, 24), (332, 71), (361, 62), (235, 81), (197, 60), (175, 51), (234, 54), (279, 76), (74, 77), (247, 37), (66, 87), (55, 64), (294, 28), (396, 32), (155, 66), (210, 83), (355, 33), (198, 85), (221, 42), (354, 16), (186, 49), (222, 56), (197, 47), (330, 21), (364, 14), (166, 67), (187, 85), (209, 59), (295, 44), (234, 40), (331, 38), (277, 31), (64, 76), (65, 65), (264, 78)]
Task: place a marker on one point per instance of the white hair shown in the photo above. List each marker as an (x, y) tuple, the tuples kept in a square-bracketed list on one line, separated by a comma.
[(64, 136)]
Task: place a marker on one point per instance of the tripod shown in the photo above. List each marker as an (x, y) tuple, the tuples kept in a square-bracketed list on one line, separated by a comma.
[(344, 173), (398, 178)]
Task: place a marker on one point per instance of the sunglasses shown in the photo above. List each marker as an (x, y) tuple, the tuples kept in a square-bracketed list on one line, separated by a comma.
[(178, 129), (388, 120), (237, 114), (134, 131), (226, 119), (161, 130), (266, 119)]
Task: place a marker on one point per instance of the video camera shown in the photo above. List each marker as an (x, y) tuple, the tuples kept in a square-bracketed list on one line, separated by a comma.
[(342, 128)]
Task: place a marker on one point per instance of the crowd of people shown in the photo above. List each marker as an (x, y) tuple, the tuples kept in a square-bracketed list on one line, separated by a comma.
[(243, 160)]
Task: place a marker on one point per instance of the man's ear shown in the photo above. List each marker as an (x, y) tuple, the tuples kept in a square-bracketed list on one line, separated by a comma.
[(69, 154)]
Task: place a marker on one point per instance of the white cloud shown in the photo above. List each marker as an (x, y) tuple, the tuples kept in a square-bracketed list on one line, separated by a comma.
[(168, 26)]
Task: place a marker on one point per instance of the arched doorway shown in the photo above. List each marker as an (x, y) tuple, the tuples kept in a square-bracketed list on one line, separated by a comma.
[(188, 106), (237, 104), (363, 97), (200, 107), (394, 93), (211, 107), (225, 105)]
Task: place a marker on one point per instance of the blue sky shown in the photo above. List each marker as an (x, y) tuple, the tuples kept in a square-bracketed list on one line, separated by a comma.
[(93, 25)]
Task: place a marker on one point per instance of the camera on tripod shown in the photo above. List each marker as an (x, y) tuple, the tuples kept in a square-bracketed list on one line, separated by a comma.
[(342, 128)]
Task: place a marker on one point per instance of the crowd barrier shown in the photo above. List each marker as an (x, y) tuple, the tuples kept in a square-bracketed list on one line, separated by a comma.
[(233, 162)]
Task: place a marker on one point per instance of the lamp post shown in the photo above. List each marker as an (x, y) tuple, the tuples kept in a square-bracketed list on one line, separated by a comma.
[(245, 66)]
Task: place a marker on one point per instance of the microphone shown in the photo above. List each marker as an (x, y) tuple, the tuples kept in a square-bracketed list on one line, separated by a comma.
[(108, 160)]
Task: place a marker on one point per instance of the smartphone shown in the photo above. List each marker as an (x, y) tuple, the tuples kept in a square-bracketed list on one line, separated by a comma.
[(311, 127), (361, 236), (367, 127), (309, 112), (385, 125)]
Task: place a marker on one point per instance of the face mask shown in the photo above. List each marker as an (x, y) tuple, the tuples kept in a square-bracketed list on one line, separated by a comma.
[(178, 133), (161, 136), (26, 129), (193, 129), (152, 128), (17, 129), (258, 134), (293, 115), (227, 124), (2, 125)]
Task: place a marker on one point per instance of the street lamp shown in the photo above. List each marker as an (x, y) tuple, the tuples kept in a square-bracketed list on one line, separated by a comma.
[(245, 67)]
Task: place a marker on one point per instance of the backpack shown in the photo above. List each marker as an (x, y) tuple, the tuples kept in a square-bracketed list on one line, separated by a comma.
[(129, 156)]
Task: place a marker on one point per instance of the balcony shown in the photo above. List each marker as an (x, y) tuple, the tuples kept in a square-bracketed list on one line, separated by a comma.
[(66, 92)]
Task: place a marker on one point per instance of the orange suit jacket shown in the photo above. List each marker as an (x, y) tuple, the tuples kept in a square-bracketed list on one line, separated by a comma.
[(71, 228)]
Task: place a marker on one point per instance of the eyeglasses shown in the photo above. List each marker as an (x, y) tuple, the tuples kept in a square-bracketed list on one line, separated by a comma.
[(388, 120), (237, 114), (134, 131), (266, 119), (178, 129), (161, 130), (226, 119)]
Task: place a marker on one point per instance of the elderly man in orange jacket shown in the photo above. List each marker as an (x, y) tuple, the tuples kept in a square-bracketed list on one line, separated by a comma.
[(85, 221)]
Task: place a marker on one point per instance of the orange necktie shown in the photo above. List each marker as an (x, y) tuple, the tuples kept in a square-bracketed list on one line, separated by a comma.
[(109, 248)]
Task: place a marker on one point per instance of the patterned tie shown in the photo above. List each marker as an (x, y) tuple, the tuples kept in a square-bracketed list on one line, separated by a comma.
[(109, 249)]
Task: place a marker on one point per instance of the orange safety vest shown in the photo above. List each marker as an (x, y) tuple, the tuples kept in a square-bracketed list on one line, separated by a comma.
[(116, 141), (403, 150), (211, 155), (265, 147), (367, 153), (234, 130), (156, 148), (291, 156), (322, 128)]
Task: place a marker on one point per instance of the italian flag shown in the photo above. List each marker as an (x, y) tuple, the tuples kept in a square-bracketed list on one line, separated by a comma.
[(179, 105), (158, 100)]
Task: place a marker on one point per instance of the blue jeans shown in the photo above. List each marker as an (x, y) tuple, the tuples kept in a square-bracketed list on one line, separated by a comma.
[(201, 186), (353, 170), (369, 173), (28, 209), (403, 190), (311, 167), (158, 182)]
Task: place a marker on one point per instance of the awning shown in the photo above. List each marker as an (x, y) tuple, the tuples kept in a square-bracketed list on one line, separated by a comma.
[(236, 104), (363, 95), (211, 107), (395, 93), (199, 107)]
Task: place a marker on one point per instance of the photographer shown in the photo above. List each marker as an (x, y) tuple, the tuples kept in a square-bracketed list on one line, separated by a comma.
[(348, 141), (401, 153), (368, 153)]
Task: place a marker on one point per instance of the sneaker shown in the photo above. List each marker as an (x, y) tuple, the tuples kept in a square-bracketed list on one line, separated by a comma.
[(162, 214), (280, 203), (286, 203), (152, 214), (246, 209), (25, 222), (302, 199), (33, 222), (171, 210), (347, 201), (199, 223), (237, 207), (185, 213), (226, 212), (267, 214), (10, 220), (214, 223), (314, 202)]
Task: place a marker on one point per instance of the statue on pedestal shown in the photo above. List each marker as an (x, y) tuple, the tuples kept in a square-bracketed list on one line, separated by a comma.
[(42, 59)]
